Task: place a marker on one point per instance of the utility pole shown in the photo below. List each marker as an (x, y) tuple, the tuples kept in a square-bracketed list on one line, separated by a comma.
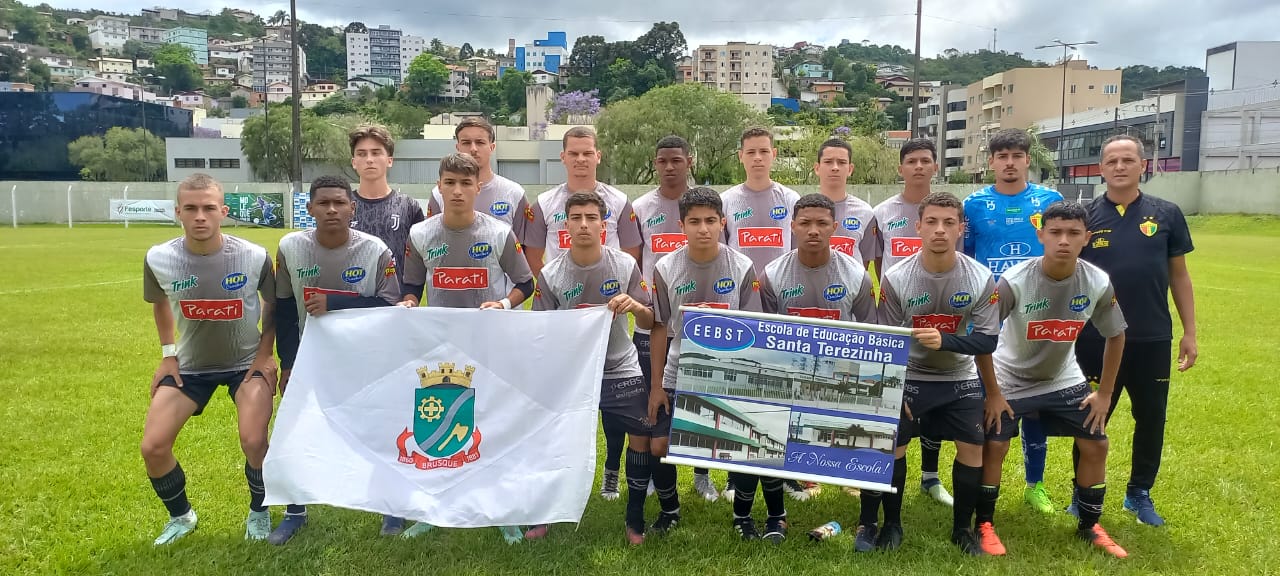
[(295, 166), (1157, 130), (1067, 47), (915, 78)]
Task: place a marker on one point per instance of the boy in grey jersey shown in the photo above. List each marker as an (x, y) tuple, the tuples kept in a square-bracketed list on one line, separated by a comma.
[(708, 274), (499, 197), (588, 275), (331, 267), (758, 211), (938, 293), (212, 289), (1044, 303), (854, 217), (380, 210)]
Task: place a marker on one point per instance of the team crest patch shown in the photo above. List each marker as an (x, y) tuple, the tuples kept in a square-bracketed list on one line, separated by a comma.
[(528, 213), (1036, 220), (444, 433), (1148, 228)]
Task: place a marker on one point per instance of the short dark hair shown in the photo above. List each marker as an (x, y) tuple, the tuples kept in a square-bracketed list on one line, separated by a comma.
[(1066, 210), (475, 122), (459, 163), (755, 132), (916, 144), (579, 132), (840, 143), (378, 133), (674, 141), (942, 200), (700, 196), (330, 182), (815, 201), (1142, 150), (585, 199), (1009, 139)]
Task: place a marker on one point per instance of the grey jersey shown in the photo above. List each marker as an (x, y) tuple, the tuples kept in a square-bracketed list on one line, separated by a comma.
[(728, 283), (837, 290), (659, 219), (913, 297), (546, 228), (564, 285), (213, 300), (361, 267), (1042, 319), (855, 220), (500, 197), (895, 235), (388, 218), (758, 222), (464, 268)]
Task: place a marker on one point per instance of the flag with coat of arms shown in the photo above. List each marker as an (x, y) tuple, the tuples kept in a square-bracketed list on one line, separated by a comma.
[(457, 417)]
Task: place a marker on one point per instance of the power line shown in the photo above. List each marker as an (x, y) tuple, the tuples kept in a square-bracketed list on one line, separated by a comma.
[(596, 19)]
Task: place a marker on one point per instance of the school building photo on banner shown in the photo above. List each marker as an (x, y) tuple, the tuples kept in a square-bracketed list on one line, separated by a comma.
[(729, 430)]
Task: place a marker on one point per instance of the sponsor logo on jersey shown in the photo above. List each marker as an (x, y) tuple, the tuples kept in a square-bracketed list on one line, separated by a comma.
[(778, 212), (835, 293), (1054, 330), (500, 208), (686, 288), (234, 281), (437, 252), (843, 244), (719, 333), (995, 298), (528, 213), (948, 323), (309, 291), (395, 221), (611, 287), (917, 301), (390, 270), (1037, 220), (565, 239), (852, 223), (667, 242), (574, 292), (480, 250), (999, 265), (743, 214), (760, 237), (755, 285), (903, 247), (1037, 306), (1148, 228), (185, 284), (961, 299), (353, 275), (558, 217), (655, 220), (1079, 303), (311, 272), (644, 285), (461, 278), (900, 222), (1100, 242), (793, 292), (1013, 210), (824, 313), (1012, 221), (1015, 249), (608, 212), (725, 285), (216, 310)]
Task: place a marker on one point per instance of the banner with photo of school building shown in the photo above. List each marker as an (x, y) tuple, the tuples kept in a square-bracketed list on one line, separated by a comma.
[(789, 397)]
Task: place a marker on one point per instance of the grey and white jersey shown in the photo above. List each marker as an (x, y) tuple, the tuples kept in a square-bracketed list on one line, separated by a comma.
[(500, 197), (913, 297), (837, 290), (659, 219), (214, 299), (547, 219), (855, 221), (758, 222), (464, 268), (361, 267), (895, 231), (1042, 319), (388, 218)]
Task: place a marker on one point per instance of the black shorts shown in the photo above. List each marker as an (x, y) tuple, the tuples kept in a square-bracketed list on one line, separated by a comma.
[(624, 405), (641, 340), (949, 410), (662, 426), (200, 387), (1058, 411)]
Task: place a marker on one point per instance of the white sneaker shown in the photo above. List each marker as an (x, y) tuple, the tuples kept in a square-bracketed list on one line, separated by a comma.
[(795, 490), (609, 485), (177, 527), (705, 487), (258, 525)]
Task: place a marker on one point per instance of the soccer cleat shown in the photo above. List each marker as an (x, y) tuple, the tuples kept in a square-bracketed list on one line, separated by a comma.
[(537, 532), (512, 534), (417, 530), (705, 487), (746, 528), (1074, 508), (729, 491), (258, 525), (1140, 504), (634, 537), (1037, 497), (665, 523), (795, 490), (651, 490), (890, 537), (1099, 538), (856, 493), (609, 485), (177, 527), (934, 488), (775, 530), (989, 541), (864, 540), (392, 526), (286, 529), (967, 542)]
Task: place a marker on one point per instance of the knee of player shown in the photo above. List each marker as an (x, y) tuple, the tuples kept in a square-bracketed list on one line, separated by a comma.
[(995, 449), (253, 443), (658, 449), (155, 448), (1093, 449)]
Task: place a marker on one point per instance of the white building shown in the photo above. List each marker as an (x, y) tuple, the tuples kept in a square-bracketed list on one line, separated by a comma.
[(108, 32), (739, 68), (382, 51), (113, 88), (942, 119), (271, 63), (458, 85), (147, 34), (1240, 65)]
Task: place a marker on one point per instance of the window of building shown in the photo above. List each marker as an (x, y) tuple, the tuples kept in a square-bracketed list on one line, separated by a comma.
[(1008, 89), (1109, 89), (1073, 88), (188, 162), (1091, 86), (233, 163)]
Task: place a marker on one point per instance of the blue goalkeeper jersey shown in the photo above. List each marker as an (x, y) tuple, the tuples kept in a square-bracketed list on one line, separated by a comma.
[(1000, 230)]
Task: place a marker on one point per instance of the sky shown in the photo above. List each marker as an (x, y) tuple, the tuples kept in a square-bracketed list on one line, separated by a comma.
[(1152, 32)]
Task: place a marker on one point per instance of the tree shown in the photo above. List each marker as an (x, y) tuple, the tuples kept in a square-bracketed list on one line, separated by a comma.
[(29, 26), (663, 44), (266, 142), (512, 85), (1136, 79), (466, 51), (436, 47), (326, 53), (1041, 158), (239, 101), (587, 62), (426, 78), (278, 18), (134, 50), (176, 63), (39, 75), (12, 64), (712, 121), (79, 36), (575, 104), (121, 155), (357, 28), (897, 113), (335, 104)]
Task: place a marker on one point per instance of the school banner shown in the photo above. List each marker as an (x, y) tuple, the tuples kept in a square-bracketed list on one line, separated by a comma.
[(142, 210), (457, 417), (265, 210), (808, 399)]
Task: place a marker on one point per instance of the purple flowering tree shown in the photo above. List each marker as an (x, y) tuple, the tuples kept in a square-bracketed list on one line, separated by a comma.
[(576, 107)]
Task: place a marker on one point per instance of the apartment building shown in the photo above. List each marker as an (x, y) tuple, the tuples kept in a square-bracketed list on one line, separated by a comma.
[(739, 68)]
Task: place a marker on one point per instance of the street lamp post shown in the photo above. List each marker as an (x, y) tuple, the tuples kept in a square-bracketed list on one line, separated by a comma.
[(1067, 48)]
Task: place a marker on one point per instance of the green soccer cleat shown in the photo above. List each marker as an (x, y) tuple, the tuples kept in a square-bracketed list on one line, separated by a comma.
[(512, 534), (177, 527), (1037, 497), (417, 530), (258, 525)]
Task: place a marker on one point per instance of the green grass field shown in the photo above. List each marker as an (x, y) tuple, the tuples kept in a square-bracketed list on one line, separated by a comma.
[(77, 348)]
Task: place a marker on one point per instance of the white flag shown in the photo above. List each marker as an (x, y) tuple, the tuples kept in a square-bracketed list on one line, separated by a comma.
[(456, 417)]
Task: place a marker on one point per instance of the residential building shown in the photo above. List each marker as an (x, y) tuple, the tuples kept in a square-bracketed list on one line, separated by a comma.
[(76, 21), (544, 78), (1240, 65), (410, 48), (827, 91), (6, 35), (141, 63), (1019, 97), (197, 39), (315, 93), (739, 68), (108, 32), (903, 85), (147, 34), (244, 15), (942, 119), (684, 69), (1241, 129), (546, 54), (17, 87), (382, 51), (190, 99), (112, 68), (271, 63), (458, 85), (159, 13), (119, 89)]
